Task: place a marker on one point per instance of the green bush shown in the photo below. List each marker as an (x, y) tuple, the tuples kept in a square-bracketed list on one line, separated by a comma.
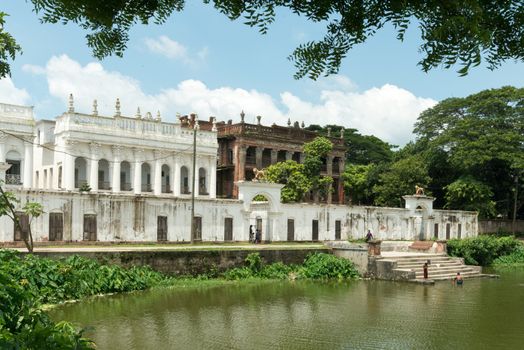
[(327, 266), (515, 259), (24, 326), (482, 250), (277, 271)]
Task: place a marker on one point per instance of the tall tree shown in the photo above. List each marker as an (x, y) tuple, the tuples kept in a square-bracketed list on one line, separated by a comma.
[(453, 31), (482, 136)]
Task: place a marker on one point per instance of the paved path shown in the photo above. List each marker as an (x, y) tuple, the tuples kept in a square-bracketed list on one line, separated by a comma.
[(181, 247)]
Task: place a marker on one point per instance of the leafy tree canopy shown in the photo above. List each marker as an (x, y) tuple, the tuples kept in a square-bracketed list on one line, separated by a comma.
[(467, 193), (360, 149), (356, 182), (291, 174), (400, 180), (463, 32)]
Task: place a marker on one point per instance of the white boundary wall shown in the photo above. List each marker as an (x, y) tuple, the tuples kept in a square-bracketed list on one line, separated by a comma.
[(126, 217)]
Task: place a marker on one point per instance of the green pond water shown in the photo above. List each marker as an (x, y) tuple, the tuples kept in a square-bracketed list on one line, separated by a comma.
[(482, 314)]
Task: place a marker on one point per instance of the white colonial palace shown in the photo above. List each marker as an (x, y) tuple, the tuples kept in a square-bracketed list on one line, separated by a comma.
[(122, 178)]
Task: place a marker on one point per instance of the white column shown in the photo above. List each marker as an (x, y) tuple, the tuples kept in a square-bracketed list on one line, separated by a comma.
[(137, 181), (157, 180), (115, 184), (213, 178), (93, 174), (3, 140), (68, 172), (195, 189), (176, 178), (28, 164)]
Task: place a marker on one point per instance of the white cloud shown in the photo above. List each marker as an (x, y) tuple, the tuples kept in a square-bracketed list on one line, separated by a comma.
[(388, 112), (174, 50), (9, 93)]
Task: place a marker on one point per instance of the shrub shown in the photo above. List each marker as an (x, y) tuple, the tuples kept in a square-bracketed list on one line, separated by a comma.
[(482, 250), (327, 266), (515, 259), (277, 271)]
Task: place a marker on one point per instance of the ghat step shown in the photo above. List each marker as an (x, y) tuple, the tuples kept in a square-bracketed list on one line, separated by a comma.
[(442, 266)]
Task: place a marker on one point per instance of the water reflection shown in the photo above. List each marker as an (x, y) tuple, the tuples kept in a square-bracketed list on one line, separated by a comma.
[(305, 315)]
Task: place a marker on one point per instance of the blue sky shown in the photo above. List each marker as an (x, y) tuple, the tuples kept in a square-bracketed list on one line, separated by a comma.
[(202, 62)]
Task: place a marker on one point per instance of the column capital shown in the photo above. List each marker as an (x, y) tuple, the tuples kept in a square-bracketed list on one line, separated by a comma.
[(117, 150), (139, 154), (94, 148), (3, 137)]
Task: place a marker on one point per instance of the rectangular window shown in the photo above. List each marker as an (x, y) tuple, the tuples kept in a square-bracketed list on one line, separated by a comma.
[(338, 229), (89, 227), (56, 226), (290, 230), (161, 229), (198, 228), (23, 219), (448, 231), (435, 231), (314, 235), (228, 229), (459, 231)]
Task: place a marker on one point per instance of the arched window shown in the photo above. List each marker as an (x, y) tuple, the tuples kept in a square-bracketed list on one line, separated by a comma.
[(125, 176), (103, 175), (12, 175)]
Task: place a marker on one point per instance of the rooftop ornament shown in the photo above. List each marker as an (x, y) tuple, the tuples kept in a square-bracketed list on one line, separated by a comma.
[(214, 124), (71, 104), (329, 132), (342, 133), (303, 125), (138, 115), (258, 119), (242, 115), (158, 116), (288, 122), (117, 107), (95, 108)]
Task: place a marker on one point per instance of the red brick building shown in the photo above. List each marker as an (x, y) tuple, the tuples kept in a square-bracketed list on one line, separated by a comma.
[(243, 147)]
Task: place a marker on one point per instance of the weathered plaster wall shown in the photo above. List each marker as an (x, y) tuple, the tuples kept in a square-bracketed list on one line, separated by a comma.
[(126, 217)]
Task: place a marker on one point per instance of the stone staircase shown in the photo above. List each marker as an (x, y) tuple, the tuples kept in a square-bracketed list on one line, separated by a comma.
[(442, 267)]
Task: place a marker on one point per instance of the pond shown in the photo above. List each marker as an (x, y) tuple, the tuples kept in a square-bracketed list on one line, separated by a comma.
[(482, 314)]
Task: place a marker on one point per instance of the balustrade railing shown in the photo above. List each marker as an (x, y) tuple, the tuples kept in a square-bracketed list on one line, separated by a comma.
[(12, 179), (125, 186), (146, 188), (104, 185), (166, 189), (185, 190)]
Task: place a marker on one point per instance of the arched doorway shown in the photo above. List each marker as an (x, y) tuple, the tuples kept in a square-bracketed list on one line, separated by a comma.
[(103, 175), (80, 172), (125, 176), (184, 180), (259, 217), (166, 179), (146, 177)]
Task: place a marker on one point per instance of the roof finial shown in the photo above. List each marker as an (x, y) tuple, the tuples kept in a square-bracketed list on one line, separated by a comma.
[(197, 126), (242, 115), (329, 131), (214, 128), (95, 108), (303, 125), (258, 119), (149, 116), (158, 117), (71, 104), (117, 107), (288, 121), (138, 115), (342, 133)]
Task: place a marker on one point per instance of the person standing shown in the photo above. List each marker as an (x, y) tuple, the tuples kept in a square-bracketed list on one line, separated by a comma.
[(459, 281), (369, 236), (258, 236), (425, 269), (251, 234)]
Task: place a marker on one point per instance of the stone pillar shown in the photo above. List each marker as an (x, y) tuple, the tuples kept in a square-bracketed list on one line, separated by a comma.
[(176, 178), (213, 178), (137, 180), (289, 155), (374, 248), (157, 180), (274, 156), (28, 164), (3, 140), (241, 156), (340, 189), (302, 157), (68, 170), (258, 158), (93, 174), (115, 184), (329, 161)]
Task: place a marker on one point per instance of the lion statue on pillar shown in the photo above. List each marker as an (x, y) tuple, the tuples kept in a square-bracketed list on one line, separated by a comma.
[(259, 174), (419, 191)]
